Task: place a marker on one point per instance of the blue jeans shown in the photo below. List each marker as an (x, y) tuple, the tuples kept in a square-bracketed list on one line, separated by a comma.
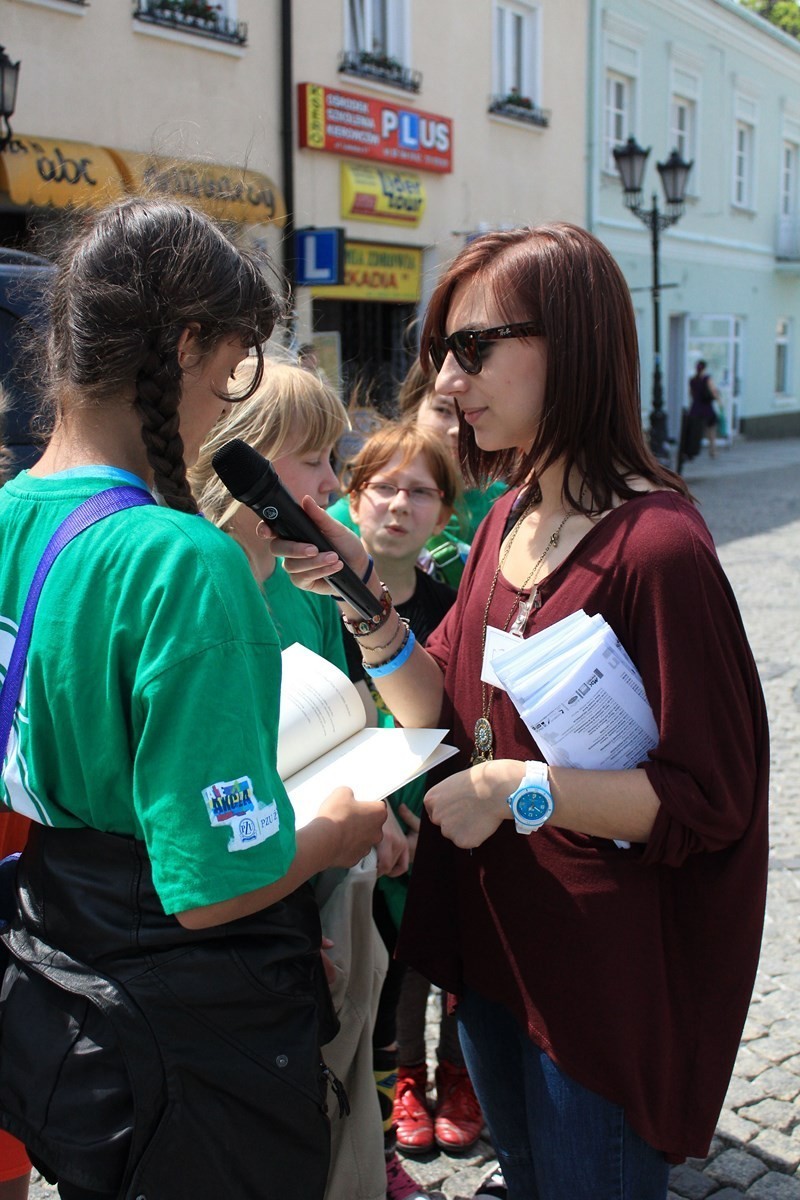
[(554, 1139)]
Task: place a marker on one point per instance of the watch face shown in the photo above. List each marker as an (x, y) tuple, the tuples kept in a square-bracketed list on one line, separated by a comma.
[(532, 805)]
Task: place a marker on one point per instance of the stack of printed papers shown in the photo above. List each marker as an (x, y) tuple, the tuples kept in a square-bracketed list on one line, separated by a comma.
[(580, 695)]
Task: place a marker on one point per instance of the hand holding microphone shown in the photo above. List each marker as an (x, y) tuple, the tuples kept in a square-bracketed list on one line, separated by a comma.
[(252, 480)]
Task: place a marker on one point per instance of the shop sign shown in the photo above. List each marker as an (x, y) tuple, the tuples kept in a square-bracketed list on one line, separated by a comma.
[(380, 194), (226, 193), (376, 272), (319, 256), (39, 172), (363, 127)]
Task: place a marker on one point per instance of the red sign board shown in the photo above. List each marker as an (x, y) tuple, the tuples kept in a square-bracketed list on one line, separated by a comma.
[(362, 127)]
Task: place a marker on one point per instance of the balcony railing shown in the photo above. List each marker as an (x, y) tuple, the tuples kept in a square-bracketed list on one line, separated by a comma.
[(192, 16), (787, 242), (381, 68), (520, 108)]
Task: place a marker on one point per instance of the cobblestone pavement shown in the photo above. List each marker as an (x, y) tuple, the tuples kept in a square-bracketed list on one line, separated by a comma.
[(750, 497)]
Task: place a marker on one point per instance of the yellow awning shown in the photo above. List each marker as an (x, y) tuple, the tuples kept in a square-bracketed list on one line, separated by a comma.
[(40, 172), (44, 172), (225, 193)]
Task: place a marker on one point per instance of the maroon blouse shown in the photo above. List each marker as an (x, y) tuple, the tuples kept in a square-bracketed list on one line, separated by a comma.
[(632, 968)]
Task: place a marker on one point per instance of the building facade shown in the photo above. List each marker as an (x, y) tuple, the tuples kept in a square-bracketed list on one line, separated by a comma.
[(133, 95), (708, 78), (420, 126), (383, 133)]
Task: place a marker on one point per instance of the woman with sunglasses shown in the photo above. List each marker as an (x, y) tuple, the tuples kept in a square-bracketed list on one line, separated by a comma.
[(601, 996)]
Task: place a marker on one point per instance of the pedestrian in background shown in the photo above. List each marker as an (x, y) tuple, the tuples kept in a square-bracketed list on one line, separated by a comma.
[(601, 996), (703, 415)]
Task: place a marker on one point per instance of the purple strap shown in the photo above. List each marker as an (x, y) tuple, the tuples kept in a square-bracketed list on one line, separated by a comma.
[(101, 505)]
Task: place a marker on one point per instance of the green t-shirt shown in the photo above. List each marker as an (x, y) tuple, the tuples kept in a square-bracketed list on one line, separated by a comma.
[(305, 617), (144, 710)]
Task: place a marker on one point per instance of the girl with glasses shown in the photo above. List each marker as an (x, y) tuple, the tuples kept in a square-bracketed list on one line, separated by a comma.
[(600, 1001), (445, 552), (166, 1002), (402, 488)]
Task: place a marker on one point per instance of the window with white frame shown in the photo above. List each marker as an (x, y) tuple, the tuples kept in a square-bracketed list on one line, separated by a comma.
[(618, 114), (516, 51), (790, 156), (378, 27), (782, 357), (744, 152), (743, 164), (681, 132), (683, 105), (620, 82)]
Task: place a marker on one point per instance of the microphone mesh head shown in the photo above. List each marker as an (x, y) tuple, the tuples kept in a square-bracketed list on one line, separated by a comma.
[(239, 466)]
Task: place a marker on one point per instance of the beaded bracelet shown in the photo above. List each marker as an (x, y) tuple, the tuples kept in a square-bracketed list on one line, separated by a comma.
[(364, 578), (396, 661), (364, 626), (385, 645)]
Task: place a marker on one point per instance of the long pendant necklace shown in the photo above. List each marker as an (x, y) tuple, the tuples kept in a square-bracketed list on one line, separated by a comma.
[(483, 735)]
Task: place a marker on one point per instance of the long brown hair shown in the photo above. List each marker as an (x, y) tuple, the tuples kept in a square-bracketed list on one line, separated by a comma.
[(563, 279)]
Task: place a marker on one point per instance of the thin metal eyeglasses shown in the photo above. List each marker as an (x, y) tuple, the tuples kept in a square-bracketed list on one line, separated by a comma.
[(469, 345), (418, 496)]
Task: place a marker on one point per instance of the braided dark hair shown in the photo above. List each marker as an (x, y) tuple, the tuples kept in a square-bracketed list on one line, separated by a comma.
[(128, 287)]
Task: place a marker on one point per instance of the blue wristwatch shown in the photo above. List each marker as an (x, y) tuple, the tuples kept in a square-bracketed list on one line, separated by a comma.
[(532, 802)]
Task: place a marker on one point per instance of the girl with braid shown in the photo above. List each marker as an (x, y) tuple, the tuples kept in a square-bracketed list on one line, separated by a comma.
[(165, 1004)]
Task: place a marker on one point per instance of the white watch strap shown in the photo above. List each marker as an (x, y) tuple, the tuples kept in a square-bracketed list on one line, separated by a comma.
[(537, 772)]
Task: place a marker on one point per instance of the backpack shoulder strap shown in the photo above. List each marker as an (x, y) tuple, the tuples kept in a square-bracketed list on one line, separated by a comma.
[(95, 509)]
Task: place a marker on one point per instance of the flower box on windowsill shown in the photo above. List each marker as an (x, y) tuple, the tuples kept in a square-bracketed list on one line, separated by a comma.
[(519, 108), (381, 68), (192, 16)]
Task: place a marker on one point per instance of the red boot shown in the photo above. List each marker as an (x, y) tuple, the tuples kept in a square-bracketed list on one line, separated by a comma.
[(458, 1119), (411, 1115)]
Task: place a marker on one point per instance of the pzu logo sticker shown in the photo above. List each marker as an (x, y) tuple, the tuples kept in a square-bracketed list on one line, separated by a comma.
[(232, 804)]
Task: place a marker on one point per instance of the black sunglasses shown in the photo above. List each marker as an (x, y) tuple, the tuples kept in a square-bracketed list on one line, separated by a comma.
[(469, 345)]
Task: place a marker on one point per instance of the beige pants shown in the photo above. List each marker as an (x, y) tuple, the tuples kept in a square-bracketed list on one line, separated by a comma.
[(358, 1166)]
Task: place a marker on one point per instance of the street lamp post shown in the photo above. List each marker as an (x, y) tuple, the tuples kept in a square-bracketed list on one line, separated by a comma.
[(631, 160)]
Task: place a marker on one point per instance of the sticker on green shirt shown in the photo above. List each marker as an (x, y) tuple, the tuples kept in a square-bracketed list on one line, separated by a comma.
[(232, 804)]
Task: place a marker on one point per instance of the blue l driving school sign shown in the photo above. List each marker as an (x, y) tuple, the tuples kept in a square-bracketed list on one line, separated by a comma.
[(319, 257)]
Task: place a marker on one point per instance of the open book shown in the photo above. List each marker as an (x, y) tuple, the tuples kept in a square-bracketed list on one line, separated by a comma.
[(322, 742)]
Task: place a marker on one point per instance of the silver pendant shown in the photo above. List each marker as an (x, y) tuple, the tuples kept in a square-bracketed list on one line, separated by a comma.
[(521, 619)]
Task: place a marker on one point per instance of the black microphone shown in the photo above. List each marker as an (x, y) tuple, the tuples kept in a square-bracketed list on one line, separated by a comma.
[(252, 480)]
